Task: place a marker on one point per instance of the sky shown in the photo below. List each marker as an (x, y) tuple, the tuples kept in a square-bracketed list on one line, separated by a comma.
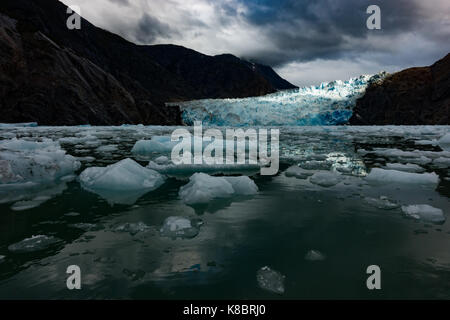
[(306, 41)]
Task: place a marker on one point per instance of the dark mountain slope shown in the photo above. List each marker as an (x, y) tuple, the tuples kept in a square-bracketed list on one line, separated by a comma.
[(148, 76), (415, 96)]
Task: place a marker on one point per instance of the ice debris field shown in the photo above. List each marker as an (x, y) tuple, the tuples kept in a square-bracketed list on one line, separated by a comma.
[(76, 185)]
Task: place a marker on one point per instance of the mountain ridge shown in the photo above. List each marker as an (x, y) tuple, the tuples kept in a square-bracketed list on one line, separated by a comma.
[(95, 76)]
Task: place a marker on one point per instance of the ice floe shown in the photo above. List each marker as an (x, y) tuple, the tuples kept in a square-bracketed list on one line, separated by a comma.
[(378, 175), (122, 182), (444, 142), (409, 167), (35, 243), (133, 227), (203, 188), (182, 227), (325, 178), (299, 173), (270, 280), (39, 162), (314, 255), (382, 203), (171, 169), (424, 212)]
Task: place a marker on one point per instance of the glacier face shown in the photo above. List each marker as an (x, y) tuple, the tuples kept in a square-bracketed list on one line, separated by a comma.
[(330, 103)]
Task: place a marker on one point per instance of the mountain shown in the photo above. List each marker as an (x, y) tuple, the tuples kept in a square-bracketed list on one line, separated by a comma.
[(415, 96), (56, 76)]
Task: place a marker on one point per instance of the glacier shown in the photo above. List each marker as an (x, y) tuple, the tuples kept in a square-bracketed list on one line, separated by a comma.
[(330, 103)]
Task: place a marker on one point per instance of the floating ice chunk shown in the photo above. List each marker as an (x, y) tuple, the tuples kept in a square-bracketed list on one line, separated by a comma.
[(123, 182), (172, 169), (40, 162), (203, 188), (6, 173), (442, 162), (325, 178), (425, 142), (409, 167), (444, 142), (424, 212), (35, 243), (299, 173), (86, 226), (382, 203), (378, 175), (156, 145), (25, 205), (174, 227), (314, 255), (162, 160), (270, 280), (107, 148), (123, 175), (133, 228)]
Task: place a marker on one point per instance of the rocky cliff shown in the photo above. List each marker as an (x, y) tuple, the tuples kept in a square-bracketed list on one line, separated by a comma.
[(415, 96)]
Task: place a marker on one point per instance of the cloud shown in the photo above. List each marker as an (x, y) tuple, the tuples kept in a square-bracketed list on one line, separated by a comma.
[(286, 33)]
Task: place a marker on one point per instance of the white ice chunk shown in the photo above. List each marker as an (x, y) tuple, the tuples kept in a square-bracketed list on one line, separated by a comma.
[(270, 280), (382, 203), (444, 142), (299, 173), (122, 182), (378, 175), (409, 167), (174, 227), (424, 212), (133, 228), (35, 243), (442, 162), (314, 255), (123, 175), (156, 145), (40, 162), (203, 188), (325, 178)]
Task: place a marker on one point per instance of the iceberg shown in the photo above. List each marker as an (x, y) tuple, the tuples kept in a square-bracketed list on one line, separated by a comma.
[(270, 280), (444, 142), (314, 255), (158, 144), (171, 169), (327, 104), (325, 178), (174, 227), (424, 212), (133, 228), (35, 243), (203, 188), (382, 203), (299, 173), (123, 182), (40, 162), (378, 175)]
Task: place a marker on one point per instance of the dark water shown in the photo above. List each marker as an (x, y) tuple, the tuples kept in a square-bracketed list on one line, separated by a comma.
[(275, 228)]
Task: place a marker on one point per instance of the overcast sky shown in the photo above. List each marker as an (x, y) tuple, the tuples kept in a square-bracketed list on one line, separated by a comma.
[(305, 41)]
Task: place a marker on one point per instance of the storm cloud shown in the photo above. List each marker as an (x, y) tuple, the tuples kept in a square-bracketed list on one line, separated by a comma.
[(297, 37)]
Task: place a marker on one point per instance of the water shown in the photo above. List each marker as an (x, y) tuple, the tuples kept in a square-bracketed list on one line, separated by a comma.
[(122, 254)]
